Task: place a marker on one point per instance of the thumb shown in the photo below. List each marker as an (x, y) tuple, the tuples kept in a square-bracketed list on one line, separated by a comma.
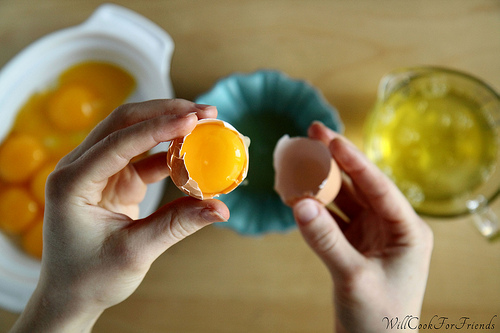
[(177, 220), (324, 236)]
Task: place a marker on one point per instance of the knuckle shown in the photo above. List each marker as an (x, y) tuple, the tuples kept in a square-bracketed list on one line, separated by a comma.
[(57, 184), (324, 242), (112, 142), (176, 228), (122, 116), (122, 111)]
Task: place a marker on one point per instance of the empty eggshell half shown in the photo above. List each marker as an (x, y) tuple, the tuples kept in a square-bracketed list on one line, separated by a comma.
[(180, 174), (305, 168)]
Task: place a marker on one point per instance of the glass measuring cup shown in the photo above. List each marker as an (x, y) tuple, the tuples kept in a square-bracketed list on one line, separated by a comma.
[(436, 133)]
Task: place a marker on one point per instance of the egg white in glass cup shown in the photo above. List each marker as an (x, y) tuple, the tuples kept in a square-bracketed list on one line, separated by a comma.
[(435, 132)]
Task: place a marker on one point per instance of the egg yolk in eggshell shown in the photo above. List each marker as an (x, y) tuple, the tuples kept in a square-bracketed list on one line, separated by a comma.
[(214, 156)]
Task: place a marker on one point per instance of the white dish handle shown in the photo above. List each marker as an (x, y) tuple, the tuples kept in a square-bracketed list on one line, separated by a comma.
[(130, 27)]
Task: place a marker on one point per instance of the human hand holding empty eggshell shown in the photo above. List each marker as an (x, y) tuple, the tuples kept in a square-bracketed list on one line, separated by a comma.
[(379, 258)]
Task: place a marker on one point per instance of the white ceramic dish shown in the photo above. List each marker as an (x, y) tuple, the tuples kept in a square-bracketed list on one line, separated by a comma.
[(112, 34)]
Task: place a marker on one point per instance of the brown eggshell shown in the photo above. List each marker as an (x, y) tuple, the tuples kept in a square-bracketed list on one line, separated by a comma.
[(180, 175), (305, 168)]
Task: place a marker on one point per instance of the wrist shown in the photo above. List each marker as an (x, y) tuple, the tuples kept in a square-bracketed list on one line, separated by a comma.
[(52, 310)]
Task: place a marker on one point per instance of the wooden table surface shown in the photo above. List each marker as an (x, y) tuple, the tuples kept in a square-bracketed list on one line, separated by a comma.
[(219, 281)]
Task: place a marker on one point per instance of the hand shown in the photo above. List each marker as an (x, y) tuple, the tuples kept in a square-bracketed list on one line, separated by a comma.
[(96, 250), (379, 261)]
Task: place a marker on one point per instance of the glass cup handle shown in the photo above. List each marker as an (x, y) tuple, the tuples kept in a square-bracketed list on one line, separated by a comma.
[(483, 217)]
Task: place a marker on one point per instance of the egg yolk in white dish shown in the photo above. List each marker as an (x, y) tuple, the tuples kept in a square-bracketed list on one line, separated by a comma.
[(73, 107), (18, 210), (215, 157), (20, 156), (49, 125)]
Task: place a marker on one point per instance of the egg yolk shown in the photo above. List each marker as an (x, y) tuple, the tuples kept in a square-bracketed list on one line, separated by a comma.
[(17, 210), (32, 239), (73, 107), (214, 156), (37, 185), (20, 157)]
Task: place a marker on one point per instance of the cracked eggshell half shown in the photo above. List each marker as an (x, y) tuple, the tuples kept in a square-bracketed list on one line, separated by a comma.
[(179, 174), (305, 168)]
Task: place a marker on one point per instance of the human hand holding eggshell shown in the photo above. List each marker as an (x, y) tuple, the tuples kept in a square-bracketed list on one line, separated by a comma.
[(384, 242), (96, 247)]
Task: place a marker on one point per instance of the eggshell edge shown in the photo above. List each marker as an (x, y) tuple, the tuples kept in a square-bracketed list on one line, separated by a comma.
[(180, 175), (325, 193)]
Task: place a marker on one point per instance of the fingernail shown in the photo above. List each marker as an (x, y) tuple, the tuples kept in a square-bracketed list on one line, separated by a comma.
[(187, 115), (306, 211), (212, 215), (203, 107), (318, 123), (347, 144)]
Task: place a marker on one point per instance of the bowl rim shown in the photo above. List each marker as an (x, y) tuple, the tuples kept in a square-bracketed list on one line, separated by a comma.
[(223, 85)]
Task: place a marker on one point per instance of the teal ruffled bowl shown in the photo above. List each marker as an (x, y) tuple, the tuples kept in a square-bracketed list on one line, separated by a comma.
[(264, 106)]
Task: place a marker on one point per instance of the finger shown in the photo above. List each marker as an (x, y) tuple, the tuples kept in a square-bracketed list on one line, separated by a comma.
[(326, 239), (319, 131), (133, 113), (113, 153), (129, 114), (175, 221), (346, 199), (379, 193), (153, 168)]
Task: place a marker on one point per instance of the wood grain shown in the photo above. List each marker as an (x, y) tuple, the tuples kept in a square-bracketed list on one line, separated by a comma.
[(219, 281)]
